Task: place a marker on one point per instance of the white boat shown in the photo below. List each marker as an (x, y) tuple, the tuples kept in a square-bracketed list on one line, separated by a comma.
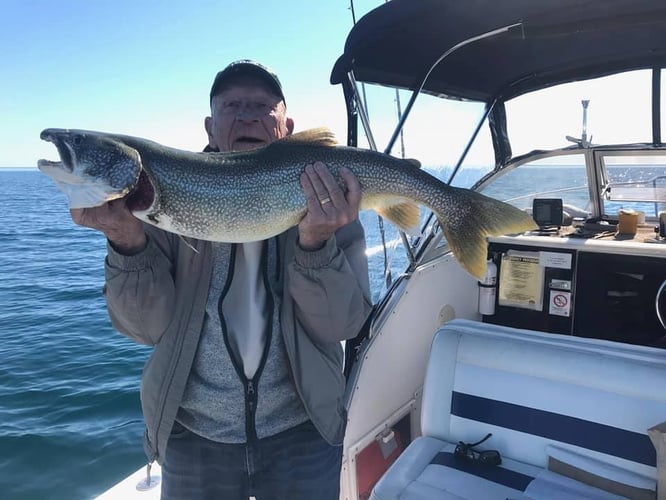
[(565, 368)]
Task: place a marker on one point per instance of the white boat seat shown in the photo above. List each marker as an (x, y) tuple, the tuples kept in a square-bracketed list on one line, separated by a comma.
[(429, 471), (548, 400)]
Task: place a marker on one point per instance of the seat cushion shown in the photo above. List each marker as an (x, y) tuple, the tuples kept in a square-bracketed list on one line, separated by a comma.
[(427, 470), (531, 390), (550, 486)]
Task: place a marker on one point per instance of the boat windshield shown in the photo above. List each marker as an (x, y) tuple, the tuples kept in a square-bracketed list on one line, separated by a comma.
[(618, 113), (562, 176)]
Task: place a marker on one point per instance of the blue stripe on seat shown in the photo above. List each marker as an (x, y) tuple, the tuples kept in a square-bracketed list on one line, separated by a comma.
[(563, 428), (496, 474)]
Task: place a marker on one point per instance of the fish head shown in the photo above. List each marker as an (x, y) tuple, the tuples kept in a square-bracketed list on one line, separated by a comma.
[(94, 167)]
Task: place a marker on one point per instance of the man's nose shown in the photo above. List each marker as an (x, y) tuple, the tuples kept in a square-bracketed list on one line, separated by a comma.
[(247, 113)]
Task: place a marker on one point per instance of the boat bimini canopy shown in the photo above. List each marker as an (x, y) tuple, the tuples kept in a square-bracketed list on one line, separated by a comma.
[(491, 51)]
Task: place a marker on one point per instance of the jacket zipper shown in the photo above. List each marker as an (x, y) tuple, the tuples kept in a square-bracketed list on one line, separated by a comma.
[(250, 409)]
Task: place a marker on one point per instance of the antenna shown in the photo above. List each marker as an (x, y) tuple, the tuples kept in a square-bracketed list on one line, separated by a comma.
[(585, 103), (583, 142)]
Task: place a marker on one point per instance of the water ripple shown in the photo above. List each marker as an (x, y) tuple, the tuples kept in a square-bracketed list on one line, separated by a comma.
[(70, 417)]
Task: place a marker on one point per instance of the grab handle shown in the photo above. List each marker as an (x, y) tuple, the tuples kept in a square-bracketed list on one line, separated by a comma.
[(656, 304)]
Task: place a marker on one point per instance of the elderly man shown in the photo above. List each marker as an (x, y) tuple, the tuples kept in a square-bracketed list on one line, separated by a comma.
[(243, 393)]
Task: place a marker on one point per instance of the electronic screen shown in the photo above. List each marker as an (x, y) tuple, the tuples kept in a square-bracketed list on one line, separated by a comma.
[(547, 211)]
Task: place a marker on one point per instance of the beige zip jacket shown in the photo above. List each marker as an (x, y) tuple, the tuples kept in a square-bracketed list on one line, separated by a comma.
[(158, 297)]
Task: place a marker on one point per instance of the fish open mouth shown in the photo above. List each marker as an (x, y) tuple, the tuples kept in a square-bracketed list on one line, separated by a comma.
[(66, 160), (143, 195), (49, 164)]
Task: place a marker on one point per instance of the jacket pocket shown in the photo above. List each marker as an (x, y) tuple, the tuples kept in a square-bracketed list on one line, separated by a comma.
[(178, 431)]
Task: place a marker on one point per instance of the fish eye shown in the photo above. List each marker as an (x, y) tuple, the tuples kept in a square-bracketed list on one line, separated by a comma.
[(77, 140)]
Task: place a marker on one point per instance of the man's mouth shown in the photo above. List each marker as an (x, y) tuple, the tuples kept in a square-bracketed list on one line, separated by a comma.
[(249, 140), (246, 143)]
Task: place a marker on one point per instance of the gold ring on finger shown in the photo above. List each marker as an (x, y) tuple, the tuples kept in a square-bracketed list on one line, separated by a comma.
[(325, 201)]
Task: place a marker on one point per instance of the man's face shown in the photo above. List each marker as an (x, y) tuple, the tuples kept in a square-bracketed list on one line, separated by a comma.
[(246, 115)]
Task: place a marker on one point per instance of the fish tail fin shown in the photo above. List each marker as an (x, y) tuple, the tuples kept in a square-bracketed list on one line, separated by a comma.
[(467, 223), (402, 212)]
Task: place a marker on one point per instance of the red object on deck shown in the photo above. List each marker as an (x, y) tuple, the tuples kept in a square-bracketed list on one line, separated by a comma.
[(371, 465)]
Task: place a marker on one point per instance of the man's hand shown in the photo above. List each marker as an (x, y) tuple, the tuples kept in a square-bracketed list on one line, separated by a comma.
[(123, 230), (329, 207)]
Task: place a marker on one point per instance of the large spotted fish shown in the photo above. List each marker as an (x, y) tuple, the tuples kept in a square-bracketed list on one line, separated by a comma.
[(253, 195)]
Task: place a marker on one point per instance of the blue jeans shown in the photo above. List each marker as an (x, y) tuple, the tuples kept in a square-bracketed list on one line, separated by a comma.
[(293, 465)]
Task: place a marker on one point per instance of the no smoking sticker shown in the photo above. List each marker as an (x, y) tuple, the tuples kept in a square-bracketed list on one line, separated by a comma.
[(560, 303)]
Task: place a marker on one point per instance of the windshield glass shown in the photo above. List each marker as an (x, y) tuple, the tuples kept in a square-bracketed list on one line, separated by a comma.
[(562, 177), (635, 180)]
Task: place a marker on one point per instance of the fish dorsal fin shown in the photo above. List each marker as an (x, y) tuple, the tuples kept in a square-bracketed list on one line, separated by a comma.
[(321, 136)]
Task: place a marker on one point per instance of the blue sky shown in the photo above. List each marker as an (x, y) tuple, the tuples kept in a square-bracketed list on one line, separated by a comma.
[(144, 67)]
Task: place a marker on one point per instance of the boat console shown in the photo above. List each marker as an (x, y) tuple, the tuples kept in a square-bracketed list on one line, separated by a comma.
[(588, 281)]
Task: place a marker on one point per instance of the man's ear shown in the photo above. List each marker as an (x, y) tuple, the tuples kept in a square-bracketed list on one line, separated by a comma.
[(290, 126), (208, 125)]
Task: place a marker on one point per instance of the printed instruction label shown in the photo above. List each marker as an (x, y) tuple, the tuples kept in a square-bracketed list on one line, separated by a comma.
[(521, 280)]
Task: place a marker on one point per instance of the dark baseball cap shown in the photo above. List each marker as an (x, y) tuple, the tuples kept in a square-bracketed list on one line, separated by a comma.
[(246, 67)]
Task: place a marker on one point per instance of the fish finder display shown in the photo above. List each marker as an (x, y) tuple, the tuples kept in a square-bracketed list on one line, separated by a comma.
[(547, 211)]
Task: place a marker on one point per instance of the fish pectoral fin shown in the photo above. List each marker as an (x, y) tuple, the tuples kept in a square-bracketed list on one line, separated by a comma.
[(321, 136), (402, 212), (187, 243)]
